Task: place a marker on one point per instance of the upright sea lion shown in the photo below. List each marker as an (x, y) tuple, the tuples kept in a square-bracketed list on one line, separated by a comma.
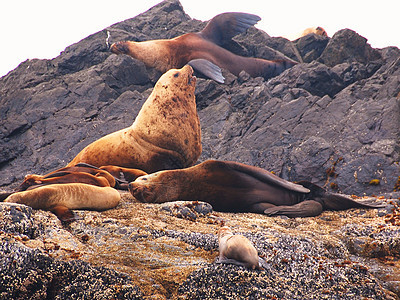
[(236, 187), (236, 249), (61, 198), (165, 135), (206, 45)]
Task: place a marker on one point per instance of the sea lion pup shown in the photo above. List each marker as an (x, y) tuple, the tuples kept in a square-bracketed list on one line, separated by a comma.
[(206, 45), (61, 198), (235, 187), (165, 135), (236, 249)]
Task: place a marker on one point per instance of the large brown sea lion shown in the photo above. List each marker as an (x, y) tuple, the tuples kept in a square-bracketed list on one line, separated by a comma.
[(61, 198), (236, 249), (236, 187), (165, 135), (206, 45)]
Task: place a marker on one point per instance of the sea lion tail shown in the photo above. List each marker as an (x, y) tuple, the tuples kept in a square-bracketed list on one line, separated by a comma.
[(208, 69)]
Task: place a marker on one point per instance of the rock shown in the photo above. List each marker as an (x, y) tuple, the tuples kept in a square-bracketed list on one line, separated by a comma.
[(348, 46), (311, 46), (188, 209), (333, 119)]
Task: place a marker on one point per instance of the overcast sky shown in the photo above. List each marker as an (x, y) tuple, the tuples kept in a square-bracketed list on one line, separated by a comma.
[(44, 28)]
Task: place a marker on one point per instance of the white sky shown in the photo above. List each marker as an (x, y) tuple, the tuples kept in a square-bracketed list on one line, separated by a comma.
[(44, 28)]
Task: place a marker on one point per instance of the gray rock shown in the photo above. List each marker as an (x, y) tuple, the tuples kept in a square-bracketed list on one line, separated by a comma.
[(334, 121)]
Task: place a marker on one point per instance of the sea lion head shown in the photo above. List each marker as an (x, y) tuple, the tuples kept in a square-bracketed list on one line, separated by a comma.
[(320, 31), (223, 231), (181, 78), (120, 47), (152, 188)]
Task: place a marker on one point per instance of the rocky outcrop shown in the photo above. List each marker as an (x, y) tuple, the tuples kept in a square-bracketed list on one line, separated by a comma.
[(339, 110), (333, 119)]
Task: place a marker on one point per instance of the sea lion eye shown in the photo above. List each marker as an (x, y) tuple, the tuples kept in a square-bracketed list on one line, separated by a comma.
[(144, 178), (176, 74)]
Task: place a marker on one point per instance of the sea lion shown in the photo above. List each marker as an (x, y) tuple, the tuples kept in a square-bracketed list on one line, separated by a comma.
[(125, 174), (316, 30), (61, 198), (80, 173), (235, 187), (206, 45), (165, 135), (236, 249)]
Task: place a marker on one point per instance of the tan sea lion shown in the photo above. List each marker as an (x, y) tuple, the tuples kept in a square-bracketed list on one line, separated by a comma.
[(61, 198), (206, 45), (236, 187), (165, 135), (236, 249), (316, 30)]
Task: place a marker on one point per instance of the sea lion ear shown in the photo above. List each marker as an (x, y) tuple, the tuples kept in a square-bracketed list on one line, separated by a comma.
[(208, 69)]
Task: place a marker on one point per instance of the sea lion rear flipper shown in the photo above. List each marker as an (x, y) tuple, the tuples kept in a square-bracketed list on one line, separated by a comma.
[(224, 26), (208, 69), (64, 213), (308, 208), (341, 202), (4, 195)]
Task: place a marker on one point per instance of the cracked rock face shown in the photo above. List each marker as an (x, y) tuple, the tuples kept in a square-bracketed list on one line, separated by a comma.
[(333, 120)]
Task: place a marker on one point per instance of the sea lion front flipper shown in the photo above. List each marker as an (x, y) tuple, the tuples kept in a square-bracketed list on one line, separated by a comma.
[(308, 208), (64, 213), (207, 68), (81, 164), (231, 262), (224, 26), (264, 176)]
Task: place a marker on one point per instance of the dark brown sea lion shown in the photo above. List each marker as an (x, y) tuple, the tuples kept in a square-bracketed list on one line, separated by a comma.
[(165, 135), (62, 198), (206, 45), (82, 173), (236, 249), (236, 187)]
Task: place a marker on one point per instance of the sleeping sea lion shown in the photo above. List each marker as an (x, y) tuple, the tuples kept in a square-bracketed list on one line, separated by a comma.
[(316, 30), (235, 187), (165, 134), (61, 198), (205, 45), (236, 249)]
